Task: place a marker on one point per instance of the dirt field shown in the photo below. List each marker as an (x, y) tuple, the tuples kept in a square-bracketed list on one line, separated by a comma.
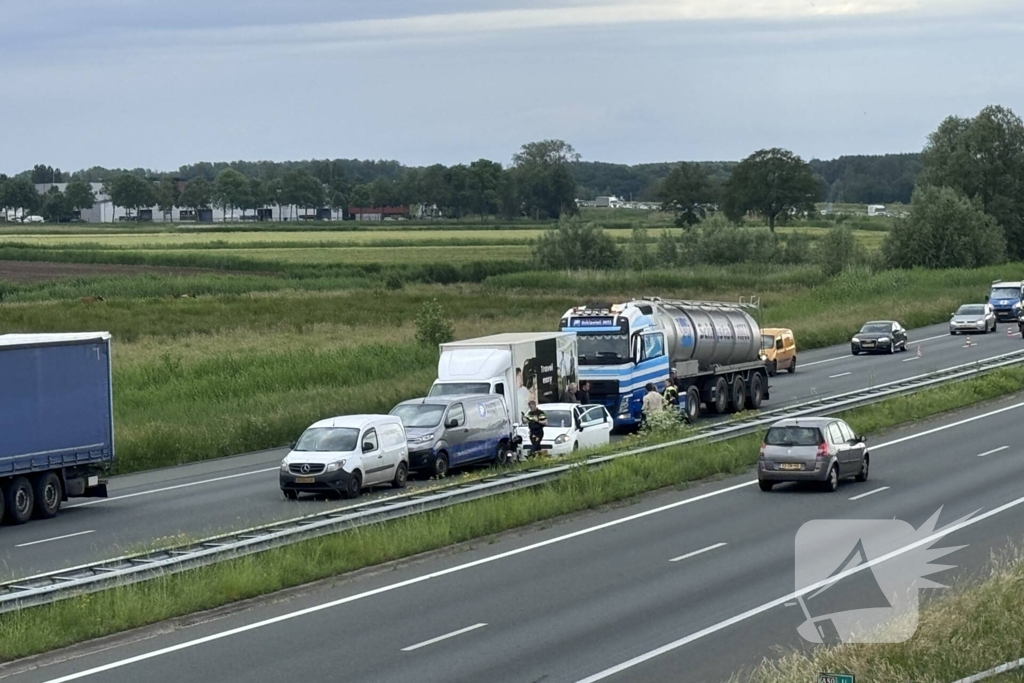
[(42, 271)]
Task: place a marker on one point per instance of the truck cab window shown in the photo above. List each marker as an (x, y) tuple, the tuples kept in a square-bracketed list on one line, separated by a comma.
[(499, 389)]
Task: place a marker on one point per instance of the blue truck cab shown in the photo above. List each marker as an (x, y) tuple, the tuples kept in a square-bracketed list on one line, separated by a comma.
[(1005, 298), (621, 350), (56, 421)]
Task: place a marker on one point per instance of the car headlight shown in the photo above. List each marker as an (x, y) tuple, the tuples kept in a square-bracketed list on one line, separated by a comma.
[(562, 439), (284, 465), (855, 341), (423, 439), (885, 340), (624, 406), (336, 465)]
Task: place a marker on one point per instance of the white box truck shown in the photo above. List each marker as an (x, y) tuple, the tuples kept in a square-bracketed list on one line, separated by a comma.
[(521, 366)]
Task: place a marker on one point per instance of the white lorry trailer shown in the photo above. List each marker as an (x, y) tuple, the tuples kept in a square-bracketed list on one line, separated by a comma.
[(521, 366)]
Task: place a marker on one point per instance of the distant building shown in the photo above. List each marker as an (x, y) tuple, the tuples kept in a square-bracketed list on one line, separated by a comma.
[(362, 213)]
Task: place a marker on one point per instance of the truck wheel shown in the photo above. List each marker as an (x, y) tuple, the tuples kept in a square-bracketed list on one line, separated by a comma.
[(738, 396), (20, 500), (721, 396), (48, 493), (290, 494), (692, 404), (773, 368), (440, 467), (756, 392), (504, 456), (355, 485)]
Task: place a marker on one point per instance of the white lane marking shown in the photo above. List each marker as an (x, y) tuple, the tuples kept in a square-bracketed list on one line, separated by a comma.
[(55, 538), (171, 488), (943, 428), (469, 565), (911, 359), (391, 587), (870, 493), (820, 362), (695, 553), (843, 374), (963, 524), (444, 637), (993, 451), (921, 341)]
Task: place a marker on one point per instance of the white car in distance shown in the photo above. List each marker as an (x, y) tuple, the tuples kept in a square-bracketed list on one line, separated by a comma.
[(573, 427)]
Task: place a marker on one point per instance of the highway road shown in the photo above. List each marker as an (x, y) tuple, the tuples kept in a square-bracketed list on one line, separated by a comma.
[(682, 586), (229, 494)]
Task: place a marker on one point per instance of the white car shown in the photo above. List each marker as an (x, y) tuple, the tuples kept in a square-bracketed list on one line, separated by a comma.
[(573, 427), (346, 454)]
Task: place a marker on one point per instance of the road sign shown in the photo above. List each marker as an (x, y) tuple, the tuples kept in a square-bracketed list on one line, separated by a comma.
[(836, 678)]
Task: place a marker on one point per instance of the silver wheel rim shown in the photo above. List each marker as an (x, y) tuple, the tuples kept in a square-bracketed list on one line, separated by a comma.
[(21, 501), (833, 479), (50, 496)]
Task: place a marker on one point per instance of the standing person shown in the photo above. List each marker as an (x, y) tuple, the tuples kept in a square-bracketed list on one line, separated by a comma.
[(583, 395), (653, 401), (569, 395), (671, 393), (536, 421)]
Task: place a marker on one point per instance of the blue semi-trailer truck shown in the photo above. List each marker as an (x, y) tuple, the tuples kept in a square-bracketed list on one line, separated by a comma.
[(56, 421)]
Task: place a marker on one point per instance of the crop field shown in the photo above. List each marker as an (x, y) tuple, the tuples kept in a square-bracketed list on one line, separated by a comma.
[(233, 339)]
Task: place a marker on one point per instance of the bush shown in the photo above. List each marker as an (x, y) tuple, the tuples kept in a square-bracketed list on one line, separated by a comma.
[(662, 423), (839, 250), (432, 327), (667, 253), (944, 230), (394, 282), (796, 249), (576, 245), (640, 257)]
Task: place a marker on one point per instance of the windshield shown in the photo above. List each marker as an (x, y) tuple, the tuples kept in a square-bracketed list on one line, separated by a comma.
[(419, 415), (876, 328), (1004, 293), (767, 341), (328, 439), (603, 349), (793, 436), (460, 389), (559, 418), (971, 310)]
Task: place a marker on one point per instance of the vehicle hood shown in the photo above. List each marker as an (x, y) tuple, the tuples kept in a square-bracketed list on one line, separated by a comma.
[(416, 432), (555, 432), (1004, 302), (968, 319), (872, 336), (318, 458)]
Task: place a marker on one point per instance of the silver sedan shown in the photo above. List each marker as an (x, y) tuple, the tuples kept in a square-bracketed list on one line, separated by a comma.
[(978, 318)]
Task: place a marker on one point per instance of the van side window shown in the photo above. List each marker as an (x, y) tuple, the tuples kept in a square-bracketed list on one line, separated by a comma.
[(370, 438), (499, 389), (778, 343), (457, 413)]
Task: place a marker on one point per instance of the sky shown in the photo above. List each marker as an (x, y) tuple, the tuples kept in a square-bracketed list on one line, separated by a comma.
[(142, 83)]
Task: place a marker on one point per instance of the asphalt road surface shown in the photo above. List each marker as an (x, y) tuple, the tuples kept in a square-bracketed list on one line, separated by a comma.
[(229, 494), (682, 586)]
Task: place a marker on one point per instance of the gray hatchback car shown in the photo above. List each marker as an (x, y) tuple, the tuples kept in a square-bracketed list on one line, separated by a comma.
[(815, 449)]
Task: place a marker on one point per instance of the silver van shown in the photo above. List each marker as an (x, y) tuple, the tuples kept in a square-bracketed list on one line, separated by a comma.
[(818, 449), (444, 432)]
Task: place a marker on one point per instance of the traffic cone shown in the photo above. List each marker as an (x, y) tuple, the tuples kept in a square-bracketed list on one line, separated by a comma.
[(1009, 331), (968, 344), (918, 350)]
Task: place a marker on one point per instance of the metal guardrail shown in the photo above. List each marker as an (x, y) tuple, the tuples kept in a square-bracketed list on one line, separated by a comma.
[(1001, 669), (58, 585)]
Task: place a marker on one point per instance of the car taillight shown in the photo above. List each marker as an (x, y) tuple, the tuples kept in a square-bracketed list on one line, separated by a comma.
[(822, 450)]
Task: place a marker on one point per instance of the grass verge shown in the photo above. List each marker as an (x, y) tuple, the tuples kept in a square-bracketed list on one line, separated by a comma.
[(45, 628), (962, 632)]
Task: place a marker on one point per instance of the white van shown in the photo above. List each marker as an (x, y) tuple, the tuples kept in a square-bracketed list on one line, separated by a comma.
[(345, 454)]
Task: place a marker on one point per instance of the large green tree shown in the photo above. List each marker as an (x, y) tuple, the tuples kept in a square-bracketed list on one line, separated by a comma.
[(131, 192), (484, 187), (983, 158), (771, 183), (167, 196), (55, 207), (944, 230), (19, 194), (544, 178), (79, 196), (231, 191), (198, 194), (684, 192)]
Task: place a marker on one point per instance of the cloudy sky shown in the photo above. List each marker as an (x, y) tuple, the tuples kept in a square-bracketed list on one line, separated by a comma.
[(159, 84)]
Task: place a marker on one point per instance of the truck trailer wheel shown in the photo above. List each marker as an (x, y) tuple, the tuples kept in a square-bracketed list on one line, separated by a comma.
[(738, 396), (20, 500), (756, 391), (48, 493), (721, 396), (692, 404)]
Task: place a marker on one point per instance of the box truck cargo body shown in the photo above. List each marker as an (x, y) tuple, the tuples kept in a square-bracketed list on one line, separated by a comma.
[(519, 366), (56, 421)]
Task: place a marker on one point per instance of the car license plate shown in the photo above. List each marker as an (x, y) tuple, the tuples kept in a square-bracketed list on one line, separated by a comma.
[(305, 480), (868, 345), (791, 466)]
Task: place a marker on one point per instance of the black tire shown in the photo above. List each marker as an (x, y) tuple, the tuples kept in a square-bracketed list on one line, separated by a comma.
[(20, 500), (692, 404), (856, 352), (832, 483), (765, 485), (952, 333), (355, 485), (721, 404), (439, 468), (773, 369), (792, 366), (401, 476), (290, 495), (48, 494), (863, 476), (756, 391), (738, 395), (892, 348)]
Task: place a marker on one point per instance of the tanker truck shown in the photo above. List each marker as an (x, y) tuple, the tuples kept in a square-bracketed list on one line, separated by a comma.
[(715, 349)]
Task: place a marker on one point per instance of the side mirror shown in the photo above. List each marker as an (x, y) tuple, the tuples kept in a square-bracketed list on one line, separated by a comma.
[(367, 447), (293, 444), (451, 424)]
